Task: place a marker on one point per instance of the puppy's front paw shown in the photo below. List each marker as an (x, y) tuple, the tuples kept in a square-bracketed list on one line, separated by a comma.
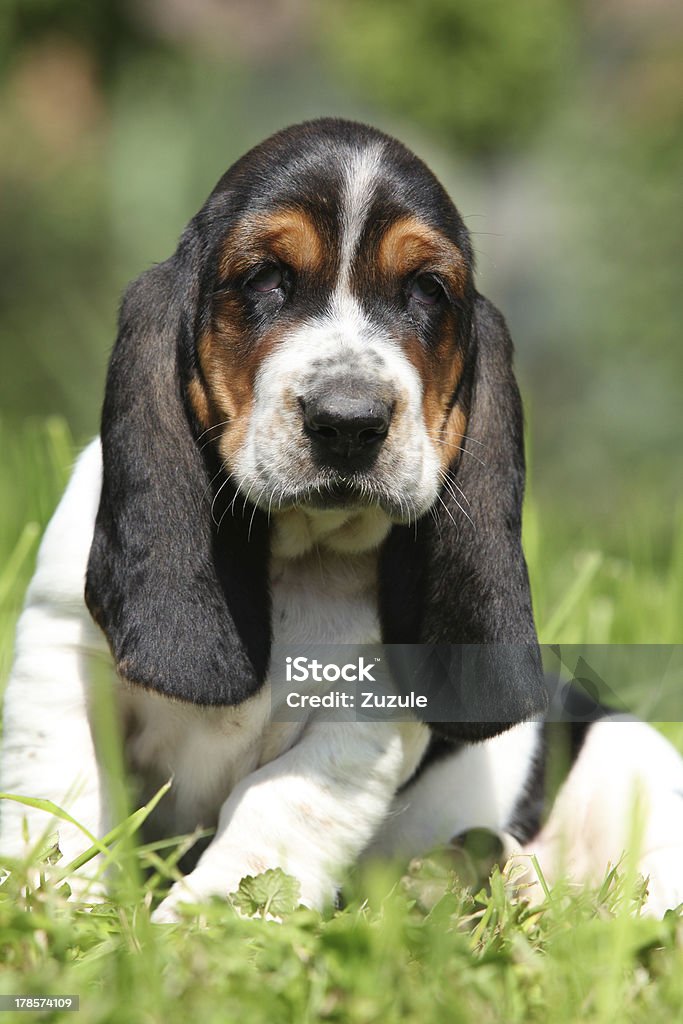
[(662, 869), (197, 887), (262, 897), (169, 910)]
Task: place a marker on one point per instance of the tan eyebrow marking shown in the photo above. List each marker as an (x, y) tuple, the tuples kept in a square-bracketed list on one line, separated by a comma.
[(409, 244), (288, 234)]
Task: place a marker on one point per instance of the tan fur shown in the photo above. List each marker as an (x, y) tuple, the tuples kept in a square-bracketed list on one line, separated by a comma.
[(229, 380), (199, 401), (288, 235), (409, 245), (454, 435), (441, 380)]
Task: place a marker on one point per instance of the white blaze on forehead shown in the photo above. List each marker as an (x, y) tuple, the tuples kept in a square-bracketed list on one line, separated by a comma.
[(361, 171)]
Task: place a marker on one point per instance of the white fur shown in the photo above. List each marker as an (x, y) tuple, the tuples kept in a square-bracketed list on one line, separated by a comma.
[(362, 169), (48, 749), (624, 791), (478, 787)]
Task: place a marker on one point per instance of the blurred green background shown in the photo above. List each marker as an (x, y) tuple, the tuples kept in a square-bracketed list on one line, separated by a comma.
[(557, 128)]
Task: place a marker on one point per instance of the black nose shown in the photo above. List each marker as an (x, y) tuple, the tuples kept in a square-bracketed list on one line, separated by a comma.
[(347, 425)]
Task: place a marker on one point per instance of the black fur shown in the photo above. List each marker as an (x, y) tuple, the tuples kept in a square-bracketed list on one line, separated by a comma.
[(185, 607), (186, 612)]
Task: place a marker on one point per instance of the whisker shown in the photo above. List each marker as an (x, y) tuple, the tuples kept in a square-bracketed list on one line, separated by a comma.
[(432, 512), (216, 426), (444, 476), (246, 499), (400, 504), (230, 509), (270, 502), (457, 447), (465, 437), (452, 494), (213, 503), (469, 437), (208, 487), (251, 521), (448, 512)]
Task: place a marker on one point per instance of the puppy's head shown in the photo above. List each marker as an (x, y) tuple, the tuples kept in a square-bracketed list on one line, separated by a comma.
[(337, 314), (316, 343)]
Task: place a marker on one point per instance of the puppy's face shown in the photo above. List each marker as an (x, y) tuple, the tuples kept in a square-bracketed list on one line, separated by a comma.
[(338, 315)]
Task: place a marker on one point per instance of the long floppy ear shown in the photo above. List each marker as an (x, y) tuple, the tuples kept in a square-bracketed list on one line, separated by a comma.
[(464, 582), (184, 606)]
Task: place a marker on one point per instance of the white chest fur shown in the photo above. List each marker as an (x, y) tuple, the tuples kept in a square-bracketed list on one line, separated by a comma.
[(322, 593)]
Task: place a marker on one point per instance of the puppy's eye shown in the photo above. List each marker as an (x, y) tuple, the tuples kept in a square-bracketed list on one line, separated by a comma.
[(267, 279), (425, 289)]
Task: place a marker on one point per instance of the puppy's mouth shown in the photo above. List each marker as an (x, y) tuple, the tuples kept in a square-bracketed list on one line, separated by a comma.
[(341, 492), (333, 492), (352, 493)]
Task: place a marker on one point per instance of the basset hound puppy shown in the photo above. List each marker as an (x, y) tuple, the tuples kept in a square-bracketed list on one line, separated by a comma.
[(311, 435)]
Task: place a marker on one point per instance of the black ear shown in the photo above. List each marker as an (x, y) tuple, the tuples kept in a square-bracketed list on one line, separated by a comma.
[(184, 606), (461, 582)]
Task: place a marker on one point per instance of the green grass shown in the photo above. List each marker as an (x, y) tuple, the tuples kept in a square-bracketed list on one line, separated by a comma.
[(410, 944)]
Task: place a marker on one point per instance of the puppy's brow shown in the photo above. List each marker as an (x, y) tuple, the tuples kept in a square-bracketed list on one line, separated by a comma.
[(409, 243), (288, 234)]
